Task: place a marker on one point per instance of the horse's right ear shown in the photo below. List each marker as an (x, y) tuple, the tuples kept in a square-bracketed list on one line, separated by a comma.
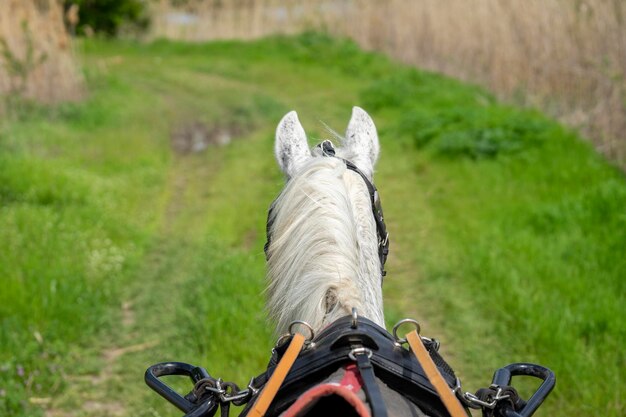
[(291, 148), (362, 141)]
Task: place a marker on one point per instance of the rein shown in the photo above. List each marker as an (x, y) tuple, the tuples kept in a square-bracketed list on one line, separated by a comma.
[(377, 209)]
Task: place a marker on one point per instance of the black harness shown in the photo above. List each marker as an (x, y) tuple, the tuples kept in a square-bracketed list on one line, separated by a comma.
[(394, 365), (381, 359), (381, 229)]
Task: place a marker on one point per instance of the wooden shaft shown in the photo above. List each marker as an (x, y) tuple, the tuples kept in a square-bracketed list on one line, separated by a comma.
[(276, 380), (448, 398)]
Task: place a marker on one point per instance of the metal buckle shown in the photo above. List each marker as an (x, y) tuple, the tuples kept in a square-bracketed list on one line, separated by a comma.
[(384, 241), (234, 397), (254, 391), (478, 402), (217, 389), (472, 401), (360, 351)]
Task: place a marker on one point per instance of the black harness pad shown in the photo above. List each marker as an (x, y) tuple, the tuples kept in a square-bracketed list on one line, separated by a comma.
[(394, 365)]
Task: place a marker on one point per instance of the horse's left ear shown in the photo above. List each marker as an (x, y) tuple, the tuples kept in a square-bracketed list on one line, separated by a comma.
[(291, 149), (362, 141)]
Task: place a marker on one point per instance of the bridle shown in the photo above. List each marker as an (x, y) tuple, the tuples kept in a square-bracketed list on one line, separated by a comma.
[(328, 150)]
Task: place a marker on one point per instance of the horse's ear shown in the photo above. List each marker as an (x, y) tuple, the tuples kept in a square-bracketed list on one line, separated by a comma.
[(362, 141), (291, 148)]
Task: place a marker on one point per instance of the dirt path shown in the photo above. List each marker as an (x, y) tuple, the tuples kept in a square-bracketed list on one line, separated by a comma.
[(117, 361)]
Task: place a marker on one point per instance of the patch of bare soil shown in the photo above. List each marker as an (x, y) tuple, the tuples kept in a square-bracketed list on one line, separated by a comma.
[(109, 408), (249, 239), (128, 315), (197, 136), (96, 406)]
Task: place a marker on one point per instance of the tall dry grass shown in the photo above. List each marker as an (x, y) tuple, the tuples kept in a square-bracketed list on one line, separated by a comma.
[(36, 57), (566, 57), (201, 20)]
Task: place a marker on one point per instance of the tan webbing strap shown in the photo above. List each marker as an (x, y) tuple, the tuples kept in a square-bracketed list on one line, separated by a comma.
[(448, 398), (282, 369)]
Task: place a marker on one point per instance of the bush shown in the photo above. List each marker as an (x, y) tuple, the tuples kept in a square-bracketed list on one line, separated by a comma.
[(109, 16), (455, 122)]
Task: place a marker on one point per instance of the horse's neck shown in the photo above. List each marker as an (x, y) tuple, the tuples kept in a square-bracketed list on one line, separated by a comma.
[(323, 258)]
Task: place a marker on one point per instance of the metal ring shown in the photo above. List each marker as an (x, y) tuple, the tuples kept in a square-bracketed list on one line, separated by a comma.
[(305, 324), (355, 318), (282, 339), (400, 323)]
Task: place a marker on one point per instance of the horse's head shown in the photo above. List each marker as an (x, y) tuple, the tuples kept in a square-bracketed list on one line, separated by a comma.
[(360, 145), (327, 241)]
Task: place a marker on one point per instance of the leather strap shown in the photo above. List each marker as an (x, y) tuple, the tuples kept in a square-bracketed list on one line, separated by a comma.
[(374, 396), (448, 398), (282, 369)]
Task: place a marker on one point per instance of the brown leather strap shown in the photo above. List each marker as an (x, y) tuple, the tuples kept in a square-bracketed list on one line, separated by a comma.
[(282, 369), (448, 398)]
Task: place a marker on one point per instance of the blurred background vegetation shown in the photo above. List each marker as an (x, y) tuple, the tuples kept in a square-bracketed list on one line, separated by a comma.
[(106, 17), (565, 57), (136, 170)]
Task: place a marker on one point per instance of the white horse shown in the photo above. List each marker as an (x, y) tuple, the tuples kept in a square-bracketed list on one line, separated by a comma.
[(323, 245)]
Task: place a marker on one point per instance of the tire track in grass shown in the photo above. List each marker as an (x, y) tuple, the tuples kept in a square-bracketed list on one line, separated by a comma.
[(113, 383), (413, 218), (419, 248)]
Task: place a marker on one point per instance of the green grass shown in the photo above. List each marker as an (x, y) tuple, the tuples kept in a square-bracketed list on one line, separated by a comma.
[(508, 231)]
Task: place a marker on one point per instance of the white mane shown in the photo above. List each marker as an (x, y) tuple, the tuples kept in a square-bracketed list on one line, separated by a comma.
[(323, 256)]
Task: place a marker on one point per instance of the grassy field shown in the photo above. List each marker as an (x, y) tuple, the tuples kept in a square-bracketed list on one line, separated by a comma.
[(116, 252)]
